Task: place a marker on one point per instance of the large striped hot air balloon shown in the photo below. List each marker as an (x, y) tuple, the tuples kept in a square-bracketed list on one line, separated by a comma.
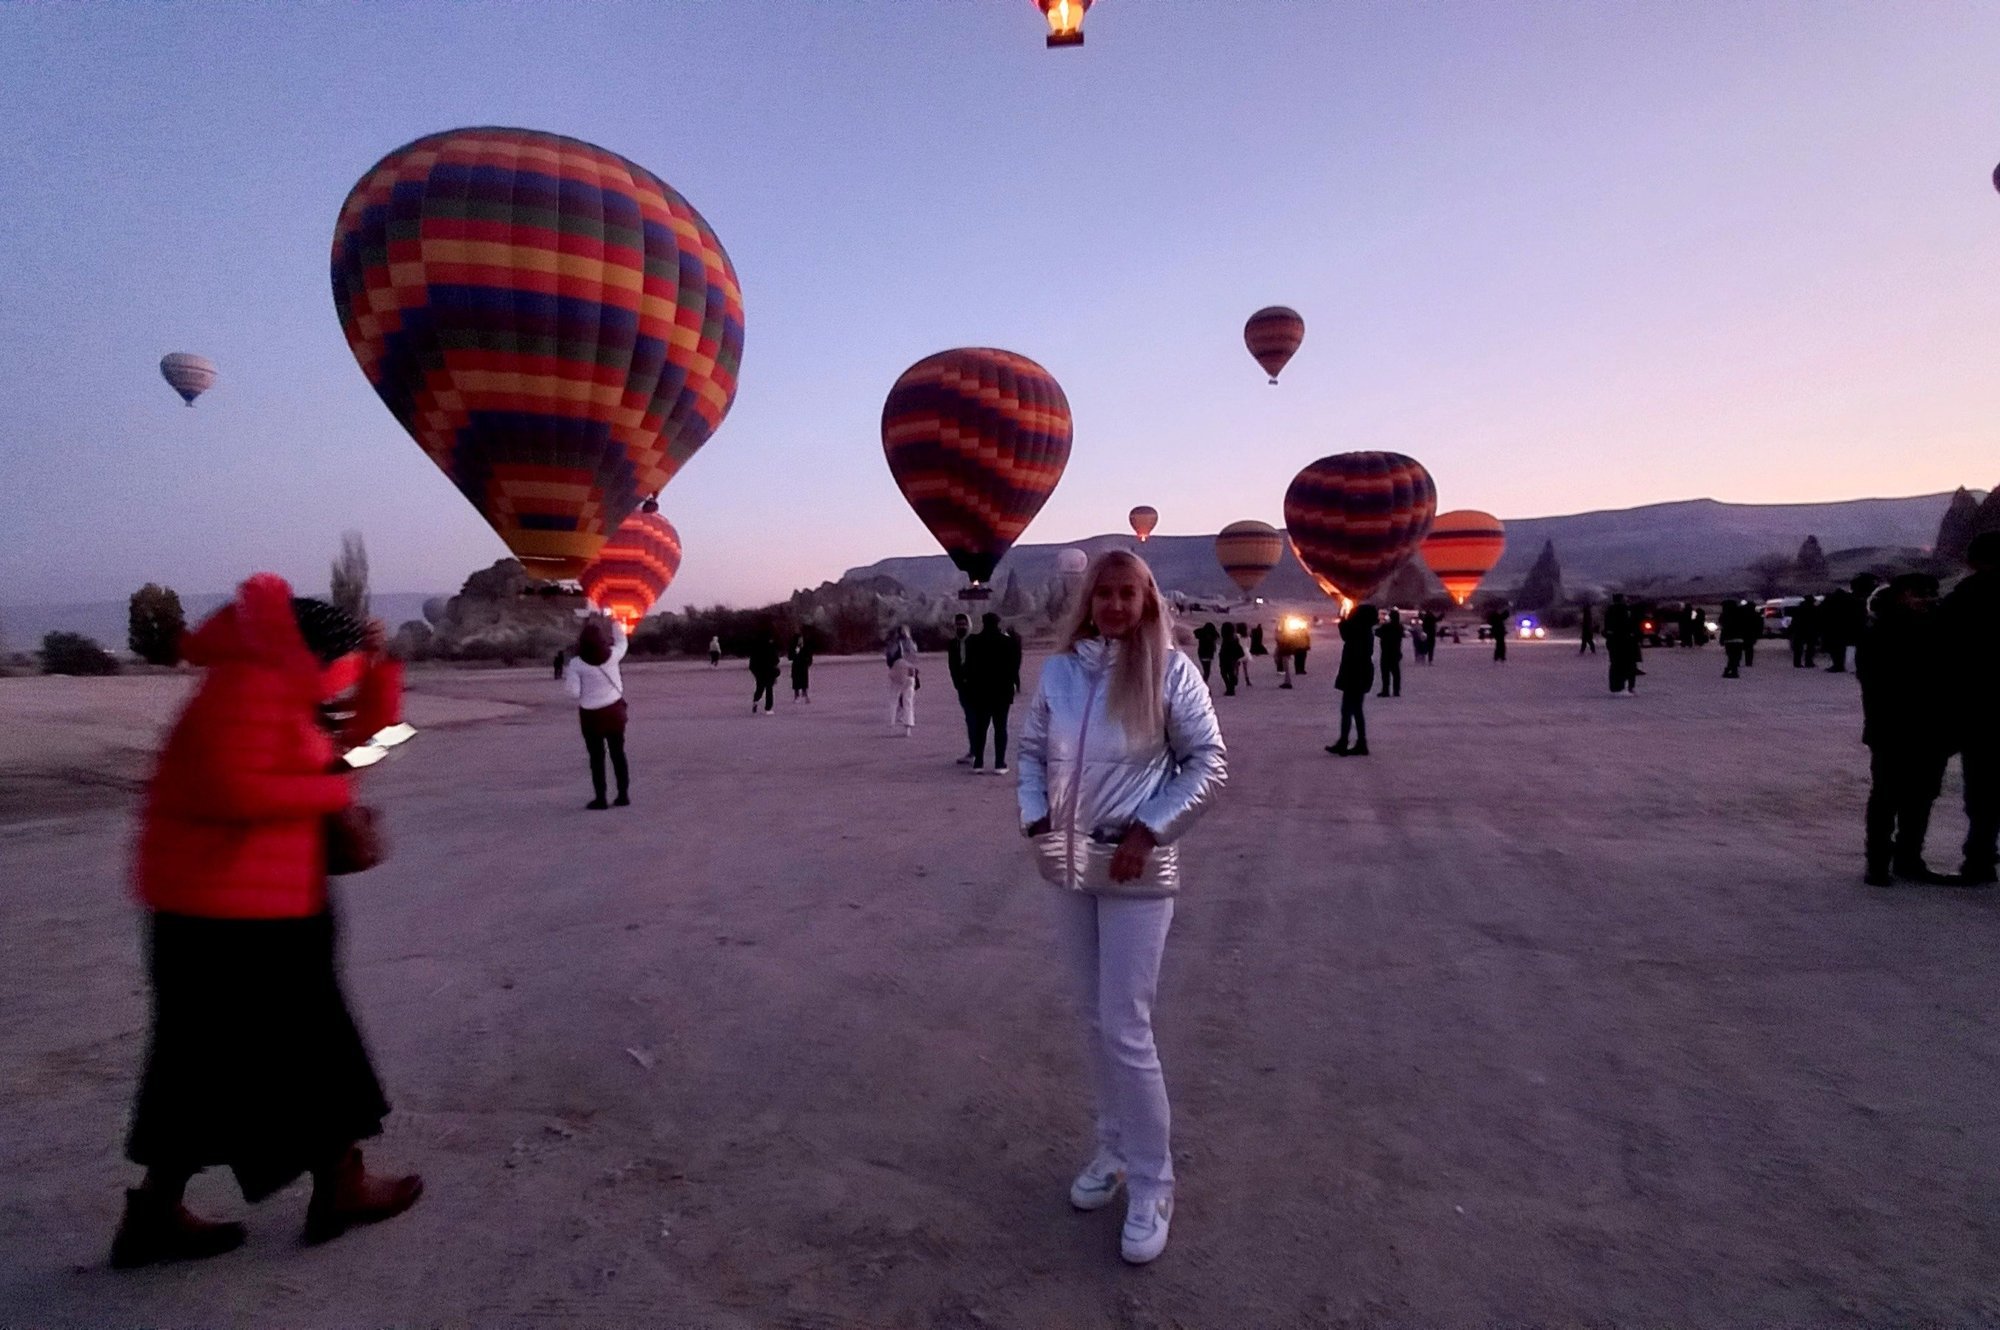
[(555, 326), (1248, 551), (977, 439), (1462, 548), (188, 374), (634, 569), (1273, 334), (1355, 518), (1143, 518)]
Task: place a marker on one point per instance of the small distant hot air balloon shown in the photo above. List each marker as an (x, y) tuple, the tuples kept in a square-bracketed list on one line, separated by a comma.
[(188, 374), (634, 569), (1065, 20), (1144, 518), (977, 439), (1072, 562), (554, 325), (1355, 518), (1273, 334), (1247, 551), (1462, 548)]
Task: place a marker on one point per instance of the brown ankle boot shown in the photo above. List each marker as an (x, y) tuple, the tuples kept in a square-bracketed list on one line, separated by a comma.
[(157, 1228), (348, 1194)]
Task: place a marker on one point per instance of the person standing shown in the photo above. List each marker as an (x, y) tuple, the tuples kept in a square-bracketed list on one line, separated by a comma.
[(593, 681), (1232, 658), (1589, 629), (802, 665), (992, 679), (1243, 636), (714, 652), (1354, 679), (1733, 613), (253, 1060), (1496, 624), (1753, 631), (1970, 621), (1257, 647), (1622, 645), (1804, 633), (1392, 634), (1427, 637), (954, 659), (1302, 645), (1205, 638), (1120, 755), (1906, 725), (764, 672), (904, 681)]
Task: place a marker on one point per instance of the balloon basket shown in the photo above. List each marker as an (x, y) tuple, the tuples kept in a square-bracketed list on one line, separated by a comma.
[(976, 593)]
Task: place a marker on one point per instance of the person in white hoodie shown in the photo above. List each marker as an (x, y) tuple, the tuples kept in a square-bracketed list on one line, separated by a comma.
[(904, 680), (1119, 755), (592, 678)]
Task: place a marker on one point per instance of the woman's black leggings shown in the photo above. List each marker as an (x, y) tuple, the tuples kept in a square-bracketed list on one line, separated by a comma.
[(766, 693), (1350, 714), (1392, 676), (597, 743)]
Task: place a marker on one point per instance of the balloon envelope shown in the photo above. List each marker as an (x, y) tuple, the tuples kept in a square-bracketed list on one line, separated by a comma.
[(1355, 518), (1072, 562), (1462, 548), (188, 374), (634, 569), (1248, 551), (1144, 518), (554, 325), (977, 439), (1273, 334)]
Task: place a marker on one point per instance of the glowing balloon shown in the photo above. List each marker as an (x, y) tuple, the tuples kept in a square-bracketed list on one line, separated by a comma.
[(1247, 551), (554, 325), (188, 374), (1462, 548), (977, 439), (1144, 518), (634, 569), (1273, 334), (1355, 518)]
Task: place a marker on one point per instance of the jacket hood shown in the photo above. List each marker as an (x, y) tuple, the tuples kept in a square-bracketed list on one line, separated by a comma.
[(256, 628)]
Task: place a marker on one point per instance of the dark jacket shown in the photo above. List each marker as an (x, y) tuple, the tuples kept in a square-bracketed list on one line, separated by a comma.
[(991, 672), (1357, 657), (954, 659), (1391, 633), (1969, 632), (764, 660), (1204, 640), (1905, 701)]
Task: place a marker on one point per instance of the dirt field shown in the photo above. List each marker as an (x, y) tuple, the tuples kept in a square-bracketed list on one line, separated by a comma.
[(1561, 1008)]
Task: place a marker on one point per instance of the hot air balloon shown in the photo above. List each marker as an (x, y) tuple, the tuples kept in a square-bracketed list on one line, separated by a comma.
[(977, 439), (1273, 334), (555, 326), (1065, 20), (1247, 551), (1144, 518), (1462, 548), (634, 569), (1354, 518), (188, 374), (1072, 562)]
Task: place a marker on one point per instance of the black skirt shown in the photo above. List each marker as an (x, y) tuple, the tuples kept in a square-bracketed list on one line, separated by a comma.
[(254, 1062)]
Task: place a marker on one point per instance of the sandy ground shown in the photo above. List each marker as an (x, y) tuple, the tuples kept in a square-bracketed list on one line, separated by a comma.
[(1562, 1008)]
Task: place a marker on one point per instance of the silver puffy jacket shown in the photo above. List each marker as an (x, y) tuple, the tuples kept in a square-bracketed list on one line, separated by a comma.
[(1082, 771)]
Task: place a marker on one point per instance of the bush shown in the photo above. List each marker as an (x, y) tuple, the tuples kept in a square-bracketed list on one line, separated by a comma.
[(73, 653), (155, 624)]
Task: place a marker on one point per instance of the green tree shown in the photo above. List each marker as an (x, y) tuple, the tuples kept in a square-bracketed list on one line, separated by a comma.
[(73, 653), (154, 625), (350, 576)]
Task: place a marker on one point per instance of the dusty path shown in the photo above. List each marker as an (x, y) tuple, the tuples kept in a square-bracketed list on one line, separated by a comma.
[(1561, 1008)]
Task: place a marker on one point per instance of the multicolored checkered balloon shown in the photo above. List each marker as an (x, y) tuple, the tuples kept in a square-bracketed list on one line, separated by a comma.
[(977, 439), (554, 325), (1355, 518), (634, 569)]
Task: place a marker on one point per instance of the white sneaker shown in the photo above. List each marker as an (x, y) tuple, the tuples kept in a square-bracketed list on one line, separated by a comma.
[(1098, 1183), (1145, 1235), (1000, 770)]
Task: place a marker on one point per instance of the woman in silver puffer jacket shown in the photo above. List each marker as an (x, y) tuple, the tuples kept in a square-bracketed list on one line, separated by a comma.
[(1119, 755)]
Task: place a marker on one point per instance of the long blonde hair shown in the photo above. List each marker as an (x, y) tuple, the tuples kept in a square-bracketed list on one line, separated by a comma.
[(1138, 682)]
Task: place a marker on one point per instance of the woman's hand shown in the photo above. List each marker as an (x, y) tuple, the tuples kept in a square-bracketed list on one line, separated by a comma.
[(1130, 859), (1039, 827)]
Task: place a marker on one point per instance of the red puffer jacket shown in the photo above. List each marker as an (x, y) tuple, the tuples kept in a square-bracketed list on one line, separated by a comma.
[(233, 826)]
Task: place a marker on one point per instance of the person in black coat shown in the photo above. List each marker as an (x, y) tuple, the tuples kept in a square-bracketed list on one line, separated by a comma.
[(764, 671), (1621, 644), (1804, 632), (954, 659), (801, 654), (1588, 628), (1232, 658), (1392, 634), (1354, 679), (1204, 644), (1970, 628), (1496, 624), (992, 672), (1906, 723)]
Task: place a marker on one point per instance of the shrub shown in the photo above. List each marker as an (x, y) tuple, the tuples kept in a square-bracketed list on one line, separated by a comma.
[(155, 624), (73, 653)]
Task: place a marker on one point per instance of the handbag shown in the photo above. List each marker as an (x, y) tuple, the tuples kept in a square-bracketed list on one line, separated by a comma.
[(608, 720), (353, 841)]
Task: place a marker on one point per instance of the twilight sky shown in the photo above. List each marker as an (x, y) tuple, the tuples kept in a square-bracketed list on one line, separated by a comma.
[(1569, 255)]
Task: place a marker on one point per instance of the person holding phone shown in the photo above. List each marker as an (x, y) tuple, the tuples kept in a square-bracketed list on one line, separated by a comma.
[(253, 1061), (592, 680), (1120, 754)]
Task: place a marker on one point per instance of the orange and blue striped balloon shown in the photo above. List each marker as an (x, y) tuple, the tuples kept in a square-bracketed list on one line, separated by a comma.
[(1273, 335), (1462, 548), (976, 439), (634, 569), (1355, 518), (1248, 551), (554, 325)]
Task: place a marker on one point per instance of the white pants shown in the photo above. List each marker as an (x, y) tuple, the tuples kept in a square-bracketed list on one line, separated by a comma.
[(1113, 946), (903, 704)]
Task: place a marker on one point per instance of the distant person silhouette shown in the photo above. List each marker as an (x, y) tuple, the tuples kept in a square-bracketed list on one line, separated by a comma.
[(1753, 630), (764, 671), (1841, 619), (1496, 624), (801, 654), (1588, 628), (1906, 723), (1970, 623), (1204, 643), (1232, 659), (1621, 644), (714, 652), (1732, 639), (1243, 636), (1392, 634), (1257, 647), (562, 659), (992, 679), (1355, 678), (1427, 637), (1803, 631)]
